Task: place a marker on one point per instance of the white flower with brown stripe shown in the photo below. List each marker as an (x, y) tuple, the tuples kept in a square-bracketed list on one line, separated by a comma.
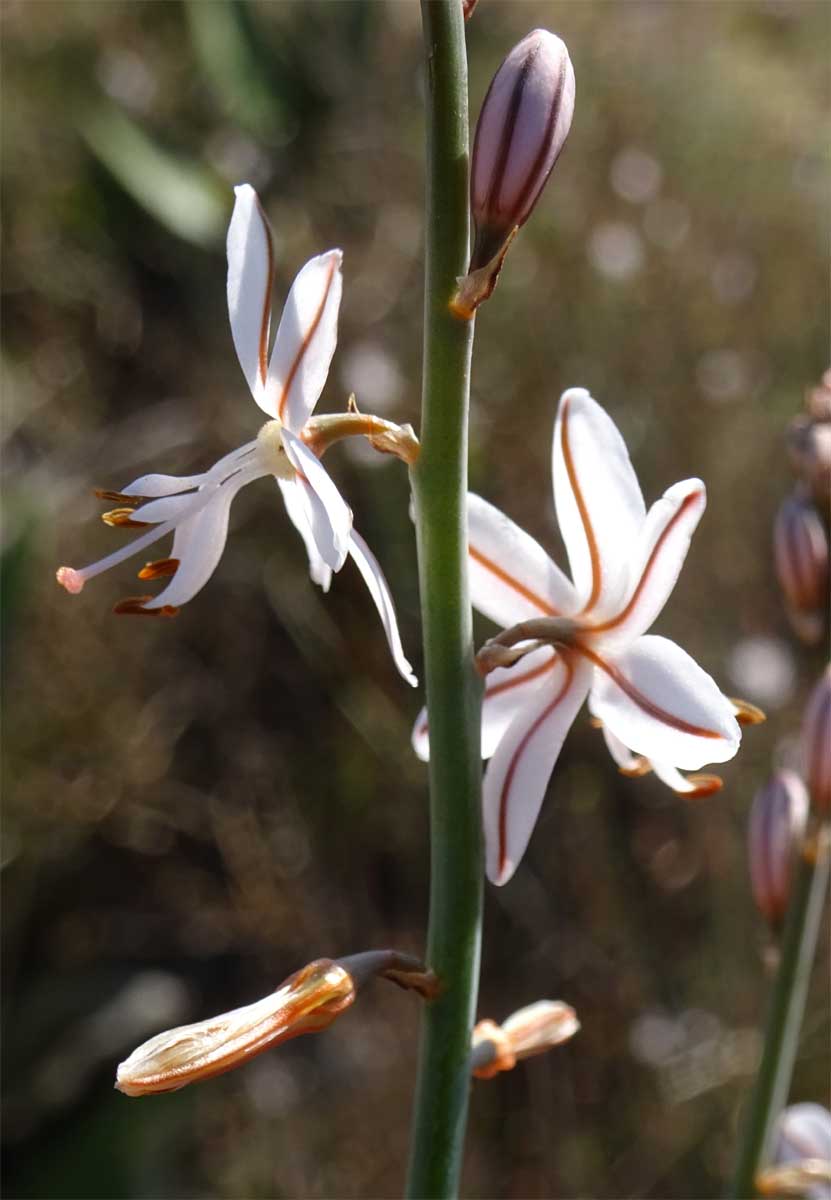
[(286, 385), (584, 636)]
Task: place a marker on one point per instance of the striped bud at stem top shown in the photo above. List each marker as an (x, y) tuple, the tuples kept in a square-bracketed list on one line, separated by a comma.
[(777, 823), (521, 130), (816, 746)]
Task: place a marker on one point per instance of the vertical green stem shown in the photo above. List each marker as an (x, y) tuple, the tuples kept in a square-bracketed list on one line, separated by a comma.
[(453, 689), (784, 1020)]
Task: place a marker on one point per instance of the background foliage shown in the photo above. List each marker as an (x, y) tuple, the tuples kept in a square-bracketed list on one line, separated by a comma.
[(195, 808)]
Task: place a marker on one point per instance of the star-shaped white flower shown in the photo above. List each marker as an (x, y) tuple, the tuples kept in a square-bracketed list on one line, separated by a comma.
[(286, 385), (586, 637)]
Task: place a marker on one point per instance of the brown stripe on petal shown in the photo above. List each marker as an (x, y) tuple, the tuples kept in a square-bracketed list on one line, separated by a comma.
[(512, 766), (501, 160), (534, 181), (133, 606), (582, 508), (516, 680), (504, 577), (642, 701), (123, 519), (613, 622), (307, 341), (265, 320), (159, 569)]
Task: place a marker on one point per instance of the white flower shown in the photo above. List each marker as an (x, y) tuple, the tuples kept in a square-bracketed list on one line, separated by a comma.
[(586, 637), (286, 386)]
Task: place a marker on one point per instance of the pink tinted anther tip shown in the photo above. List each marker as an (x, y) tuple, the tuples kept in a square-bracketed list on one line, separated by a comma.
[(70, 579)]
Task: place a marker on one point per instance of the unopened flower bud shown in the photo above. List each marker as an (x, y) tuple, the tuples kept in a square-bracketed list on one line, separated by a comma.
[(816, 746), (800, 548), (308, 1001), (809, 448), (521, 130), (777, 823), (818, 399), (801, 1154), (532, 1030)]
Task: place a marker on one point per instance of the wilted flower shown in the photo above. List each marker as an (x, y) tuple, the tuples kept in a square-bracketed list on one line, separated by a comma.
[(586, 637), (523, 126), (801, 1156), (816, 745), (286, 385), (774, 834), (307, 1002), (800, 545), (529, 1031)]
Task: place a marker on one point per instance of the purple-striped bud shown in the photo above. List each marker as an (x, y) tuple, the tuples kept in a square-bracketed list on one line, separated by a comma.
[(816, 745), (777, 823), (800, 551), (521, 130)]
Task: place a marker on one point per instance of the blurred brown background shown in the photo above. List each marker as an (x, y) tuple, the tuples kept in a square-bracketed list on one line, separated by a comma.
[(195, 808)]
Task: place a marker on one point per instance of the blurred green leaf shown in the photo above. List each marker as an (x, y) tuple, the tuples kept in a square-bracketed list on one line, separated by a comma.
[(183, 195)]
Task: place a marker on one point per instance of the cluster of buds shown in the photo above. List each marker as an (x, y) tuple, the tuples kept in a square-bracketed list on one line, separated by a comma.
[(523, 126), (801, 536), (790, 813)]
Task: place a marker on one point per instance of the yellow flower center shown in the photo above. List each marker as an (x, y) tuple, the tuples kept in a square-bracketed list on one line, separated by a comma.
[(272, 452)]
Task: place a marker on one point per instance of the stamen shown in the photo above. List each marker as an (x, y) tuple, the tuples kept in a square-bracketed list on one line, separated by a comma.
[(640, 766), (747, 713), (123, 519), (70, 579), (133, 606), (159, 569), (703, 785)]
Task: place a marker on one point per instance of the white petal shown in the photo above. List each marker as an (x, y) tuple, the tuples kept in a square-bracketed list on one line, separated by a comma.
[(198, 544), (511, 576), (664, 542), (600, 508), (507, 692), (373, 577), (517, 775), (421, 736), (305, 341), (659, 702), (250, 283), (153, 486), (298, 509), (330, 518), (627, 762), (171, 508)]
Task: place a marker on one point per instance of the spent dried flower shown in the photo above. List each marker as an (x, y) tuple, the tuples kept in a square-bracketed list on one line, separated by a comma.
[(587, 637), (775, 831), (531, 1030), (816, 745), (308, 1001)]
